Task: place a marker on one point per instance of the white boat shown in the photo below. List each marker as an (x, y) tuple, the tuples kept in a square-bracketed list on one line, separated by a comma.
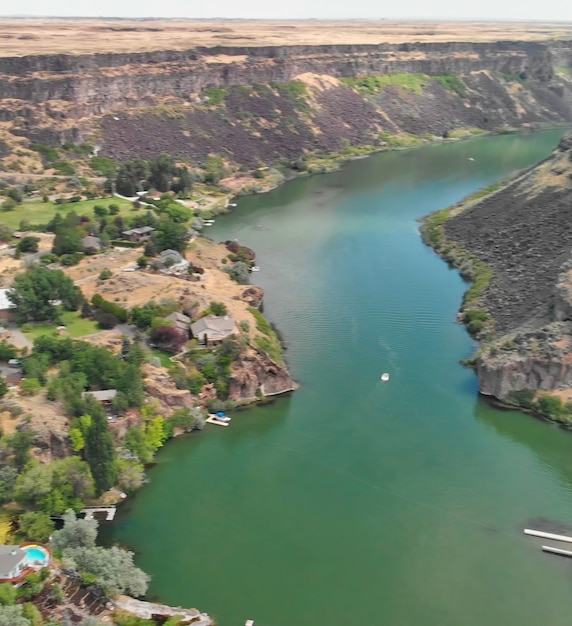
[(384, 377), (470, 159), (255, 268)]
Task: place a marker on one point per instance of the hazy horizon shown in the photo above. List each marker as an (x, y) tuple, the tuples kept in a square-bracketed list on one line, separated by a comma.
[(487, 10)]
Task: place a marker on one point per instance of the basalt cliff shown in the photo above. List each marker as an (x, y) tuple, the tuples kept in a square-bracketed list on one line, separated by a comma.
[(264, 105), (515, 244)]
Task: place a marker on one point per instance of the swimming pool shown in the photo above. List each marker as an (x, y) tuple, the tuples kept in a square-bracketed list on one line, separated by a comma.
[(38, 556)]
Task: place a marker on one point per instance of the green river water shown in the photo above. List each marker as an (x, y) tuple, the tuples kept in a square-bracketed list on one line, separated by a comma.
[(356, 501)]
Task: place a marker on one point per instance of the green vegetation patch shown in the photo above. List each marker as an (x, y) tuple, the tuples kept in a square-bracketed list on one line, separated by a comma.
[(215, 95), (76, 326), (270, 343), (452, 83), (370, 85), (40, 213), (563, 71), (467, 131), (401, 140)]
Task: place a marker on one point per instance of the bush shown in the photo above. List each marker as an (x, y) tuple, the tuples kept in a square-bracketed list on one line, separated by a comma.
[(30, 386), (105, 274), (110, 307), (218, 308)]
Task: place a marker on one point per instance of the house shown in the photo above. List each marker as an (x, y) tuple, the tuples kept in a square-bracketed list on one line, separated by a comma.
[(13, 563), (143, 233), (180, 321), (91, 244), (212, 329), (172, 260), (5, 305), (104, 396)]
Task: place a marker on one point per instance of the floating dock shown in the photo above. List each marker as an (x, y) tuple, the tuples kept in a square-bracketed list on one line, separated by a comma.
[(539, 533), (556, 551)]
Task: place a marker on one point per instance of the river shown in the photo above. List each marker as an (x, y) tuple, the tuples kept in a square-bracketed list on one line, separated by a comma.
[(357, 501)]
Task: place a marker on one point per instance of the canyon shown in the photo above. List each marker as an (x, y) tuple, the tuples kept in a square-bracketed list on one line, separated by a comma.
[(254, 105)]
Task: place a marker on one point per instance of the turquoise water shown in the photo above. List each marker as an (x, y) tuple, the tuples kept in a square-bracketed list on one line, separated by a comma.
[(352, 500), (36, 554)]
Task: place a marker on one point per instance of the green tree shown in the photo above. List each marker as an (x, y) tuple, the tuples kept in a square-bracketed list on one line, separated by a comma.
[(3, 387), (12, 616), (551, 406), (7, 351), (161, 171), (36, 526), (76, 533), (100, 452), (218, 308), (28, 244), (69, 235), (112, 568), (130, 475), (35, 292), (7, 594), (169, 235), (8, 475), (32, 613), (19, 443)]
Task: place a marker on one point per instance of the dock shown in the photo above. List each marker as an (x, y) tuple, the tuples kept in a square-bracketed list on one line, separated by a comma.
[(559, 551), (539, 533), (212, 419), (91, 510)]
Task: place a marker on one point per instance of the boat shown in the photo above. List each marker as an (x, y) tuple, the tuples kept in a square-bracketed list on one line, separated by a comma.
[(384, 377), (470, 159), (255, 268)]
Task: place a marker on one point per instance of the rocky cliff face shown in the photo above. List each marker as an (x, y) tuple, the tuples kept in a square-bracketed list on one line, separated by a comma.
[(523, 232), (256, 373), (143, 103)]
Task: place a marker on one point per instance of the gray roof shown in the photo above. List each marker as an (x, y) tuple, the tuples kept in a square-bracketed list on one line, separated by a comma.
[(142, 230), (214, 327), (178, 318), (101, 396), (10, 556), (171, 253)]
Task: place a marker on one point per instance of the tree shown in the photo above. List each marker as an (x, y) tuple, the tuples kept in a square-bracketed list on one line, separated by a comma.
[(20, 443), (239, 272), (12, 616), (218, 308), (35, 292), (100, 452), (161, 171), (33, 484), (169, 235), (99, 210), (130, 475), (76, 533), (169, 338), (112, 568), (7, 594), (3, 387), (551, 406), (69, 235), (8, 477), (15, 193), (7, 351), (32, 613), (28, 244), (36, 526)]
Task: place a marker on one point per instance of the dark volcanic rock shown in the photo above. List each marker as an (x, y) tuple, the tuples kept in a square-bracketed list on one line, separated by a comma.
[(524, 234)]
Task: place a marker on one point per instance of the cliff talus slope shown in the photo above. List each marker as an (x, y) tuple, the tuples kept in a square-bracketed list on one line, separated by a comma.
[(523, 233), (269, 104)]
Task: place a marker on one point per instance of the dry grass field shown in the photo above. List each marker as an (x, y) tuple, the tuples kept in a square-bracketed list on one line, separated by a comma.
[(20, 37)]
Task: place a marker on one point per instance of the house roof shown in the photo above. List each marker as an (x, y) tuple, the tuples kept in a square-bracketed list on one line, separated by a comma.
[(214, 326), (171, 253), (179, 318), (4, 302), (142, 230), (10, 557), (101, 396)]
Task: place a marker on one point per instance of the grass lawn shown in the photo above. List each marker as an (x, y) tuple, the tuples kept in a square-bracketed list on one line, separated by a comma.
[(72, 320), (38, 212), (164, 357)]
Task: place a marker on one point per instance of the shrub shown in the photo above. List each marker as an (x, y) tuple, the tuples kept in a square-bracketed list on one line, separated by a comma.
[(169, 338), (105, 274), (218, 308)]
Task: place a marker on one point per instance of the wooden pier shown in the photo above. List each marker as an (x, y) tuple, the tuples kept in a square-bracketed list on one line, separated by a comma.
[(90, 511)]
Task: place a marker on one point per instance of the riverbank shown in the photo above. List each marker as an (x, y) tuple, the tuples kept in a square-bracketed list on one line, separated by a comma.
[(508, 241)]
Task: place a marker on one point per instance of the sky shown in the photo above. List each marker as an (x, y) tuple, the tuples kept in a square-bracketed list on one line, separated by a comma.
[(547, 10)]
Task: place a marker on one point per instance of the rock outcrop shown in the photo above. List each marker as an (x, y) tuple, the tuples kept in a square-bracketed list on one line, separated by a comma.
[(161, 386), (254, 374)]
